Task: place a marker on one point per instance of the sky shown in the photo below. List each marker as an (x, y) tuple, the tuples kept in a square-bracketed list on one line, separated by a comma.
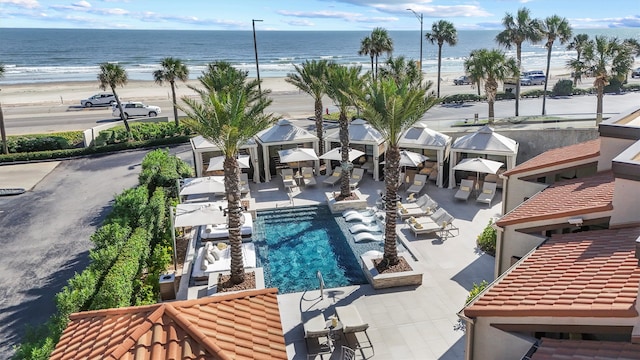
[(306, 15)]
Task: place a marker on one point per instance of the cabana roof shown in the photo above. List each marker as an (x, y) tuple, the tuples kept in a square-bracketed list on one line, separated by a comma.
[(200, 143), (485, 140), (284, 132), (360, 131), (419, 135)]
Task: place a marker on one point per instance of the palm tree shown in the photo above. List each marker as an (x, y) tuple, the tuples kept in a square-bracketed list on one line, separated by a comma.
[(442, 31), (343, 85), (578, 43), (112, 75), (554, 27), (3, 131), (228, 118), (494, 66), (518, 30), (609, 58), (366, 48), (310, 78), (392, 106), (400, 70), (172, 69), (381, 43)]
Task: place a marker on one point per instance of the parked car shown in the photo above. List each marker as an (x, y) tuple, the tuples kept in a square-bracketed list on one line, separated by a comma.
[(533, 72), (635, 73), (462, 80), (533, 80), (102, 99), (135, 109), (525, 81)]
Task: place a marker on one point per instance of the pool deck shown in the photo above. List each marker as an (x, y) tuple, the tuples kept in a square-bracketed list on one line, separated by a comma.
[(404, 323)]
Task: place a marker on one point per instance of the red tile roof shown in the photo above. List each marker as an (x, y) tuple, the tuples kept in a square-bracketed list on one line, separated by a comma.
[(566, 198), (552, 349), (563, 155), (587, 274), (243, 325)]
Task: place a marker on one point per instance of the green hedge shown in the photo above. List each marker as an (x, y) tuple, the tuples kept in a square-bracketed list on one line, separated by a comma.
[(45, 142), (487, 239)]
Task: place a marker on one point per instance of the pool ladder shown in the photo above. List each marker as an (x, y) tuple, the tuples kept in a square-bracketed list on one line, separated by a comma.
[(321, 281)]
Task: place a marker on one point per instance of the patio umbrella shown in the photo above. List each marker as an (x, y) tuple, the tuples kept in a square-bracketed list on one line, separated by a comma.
[(196, 214), (217, 163), (297, 155), (336, 154), (203, 185), (410, 158), (479, 165)]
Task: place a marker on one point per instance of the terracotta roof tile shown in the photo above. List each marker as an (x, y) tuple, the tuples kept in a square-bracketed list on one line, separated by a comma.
[(566, 198), (552, 349), (592, 273), (242, 325), (585, 150)]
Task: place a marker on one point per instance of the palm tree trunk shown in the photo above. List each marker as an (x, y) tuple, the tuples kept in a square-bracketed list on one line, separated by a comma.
[(232, 188), (376, 77), (3, 133), (391, 175), (439, 63), (519, 60), (345, 190), (372, 73), (546, 82), (175, 107), (319, 124), (491, 111), (122, 117), (600, 89)]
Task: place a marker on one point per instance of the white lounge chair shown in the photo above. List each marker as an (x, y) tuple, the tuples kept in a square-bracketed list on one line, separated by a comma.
[(308, 178), (419, 182), (353, 324), (356, 177), (287, 178), (487, 194), (426, 209), (367, 212), (442, 223), (244, 183), (316, 336), (367, 236), (335, 176), (463, 193), (371, 227)]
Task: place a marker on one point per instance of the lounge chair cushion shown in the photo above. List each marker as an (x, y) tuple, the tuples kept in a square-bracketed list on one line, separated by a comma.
[(418, 183), (315, 327), (487, 191), (465, 188), (350, 318), (336, 173)]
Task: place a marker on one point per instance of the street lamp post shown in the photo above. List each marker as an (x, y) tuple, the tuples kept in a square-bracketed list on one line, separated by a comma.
[(419, 17), (255, 49)]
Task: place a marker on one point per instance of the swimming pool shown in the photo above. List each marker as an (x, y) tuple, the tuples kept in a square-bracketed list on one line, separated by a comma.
[(293, 244)]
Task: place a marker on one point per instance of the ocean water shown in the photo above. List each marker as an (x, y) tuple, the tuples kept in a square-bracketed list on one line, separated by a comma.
[(47, 55)]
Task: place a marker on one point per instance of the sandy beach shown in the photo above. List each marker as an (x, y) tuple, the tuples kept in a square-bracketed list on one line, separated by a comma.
[(70, 93)]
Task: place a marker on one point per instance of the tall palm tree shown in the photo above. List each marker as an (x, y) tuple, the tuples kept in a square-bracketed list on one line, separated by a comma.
[(343, 85), (608, 58), (111, 76), (381, 43), (172, 69), (366, 48), (442, 31), (553, 28), (392, 106), (494, 66), (3, 131), (228, 118), (400, 69), (309, 77), (518, 30), (578, 43)]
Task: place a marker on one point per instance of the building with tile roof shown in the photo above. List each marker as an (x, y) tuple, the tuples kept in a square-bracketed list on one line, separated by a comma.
[(554, 349), (243, 325)]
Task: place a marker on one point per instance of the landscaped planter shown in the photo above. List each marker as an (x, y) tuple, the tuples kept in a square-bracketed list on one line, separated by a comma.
[(383, 281), (342, 205)]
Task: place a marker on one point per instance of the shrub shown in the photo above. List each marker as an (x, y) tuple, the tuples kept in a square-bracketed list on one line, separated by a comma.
[(160, 169), (477, 289), (460, 98), (534, 93), (505, 96), (487, 239), (615, 86), (563, 88), (631, 87)]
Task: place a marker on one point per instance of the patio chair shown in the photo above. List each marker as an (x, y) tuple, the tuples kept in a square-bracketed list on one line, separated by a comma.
[(352, 324), (356, 177), (307, 176), (416, 203), (316, 337), (488, 192), (463, 193), (367, 236), (441, 221), (348, 353), (244, 183), (334, 177), (287, 178), (427, 208), (419, 182)]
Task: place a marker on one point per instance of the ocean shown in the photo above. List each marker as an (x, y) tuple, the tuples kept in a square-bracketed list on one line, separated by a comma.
[(53, 55)]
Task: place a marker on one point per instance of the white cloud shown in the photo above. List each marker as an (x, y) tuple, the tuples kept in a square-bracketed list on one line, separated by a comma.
[(299, 22), (29, 4), (82, 4), (320, 14)]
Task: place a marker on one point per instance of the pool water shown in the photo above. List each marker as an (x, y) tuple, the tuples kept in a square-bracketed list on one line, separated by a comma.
[(293, 244)]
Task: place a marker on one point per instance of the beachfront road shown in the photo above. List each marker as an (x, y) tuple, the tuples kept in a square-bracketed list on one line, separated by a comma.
[(34, 119)]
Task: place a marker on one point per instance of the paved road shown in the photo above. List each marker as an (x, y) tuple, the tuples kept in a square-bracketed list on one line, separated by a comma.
[(45, 235)]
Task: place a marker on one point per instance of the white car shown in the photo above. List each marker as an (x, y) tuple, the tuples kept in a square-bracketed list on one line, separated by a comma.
[(135, 109), (102, 99)]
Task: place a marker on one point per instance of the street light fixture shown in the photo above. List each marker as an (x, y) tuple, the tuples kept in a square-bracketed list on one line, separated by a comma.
[(255, 49), (419, 17)]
